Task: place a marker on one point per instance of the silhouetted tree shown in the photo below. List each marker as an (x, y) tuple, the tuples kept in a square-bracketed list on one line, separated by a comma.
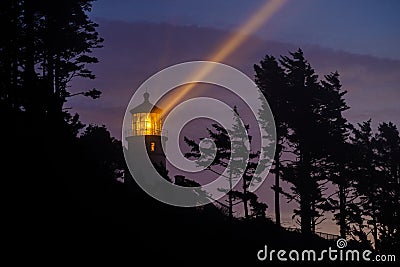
[(303, 85), (231, 145), (49, 44), (269, 77), (387, 144), (339, 150), (10, 56), (376, 180), (68, 177), (44, 45), (99, 169), (367, 180), (291, 90), (310, 129)]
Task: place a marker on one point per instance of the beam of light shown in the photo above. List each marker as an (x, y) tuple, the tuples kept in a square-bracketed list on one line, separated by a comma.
[(230, 45)]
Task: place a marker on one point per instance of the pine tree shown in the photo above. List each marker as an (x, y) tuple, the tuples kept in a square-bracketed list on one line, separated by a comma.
[(310, 128), (338, 148), (305, 138), (367, 177), (387, 144), (49, 44), (269, 77), (233, 154)]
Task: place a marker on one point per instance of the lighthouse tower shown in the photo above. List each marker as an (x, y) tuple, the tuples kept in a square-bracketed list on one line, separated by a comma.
[(147, 128)]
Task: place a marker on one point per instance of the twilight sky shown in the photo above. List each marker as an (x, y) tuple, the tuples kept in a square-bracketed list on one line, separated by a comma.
[(358, 38), (359, 26)]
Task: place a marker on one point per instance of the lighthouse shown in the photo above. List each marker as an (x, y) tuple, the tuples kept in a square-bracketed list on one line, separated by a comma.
[(146, 160), (146, 128)]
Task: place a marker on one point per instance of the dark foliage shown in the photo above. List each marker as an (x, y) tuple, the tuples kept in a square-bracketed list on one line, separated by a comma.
[(68, 195)]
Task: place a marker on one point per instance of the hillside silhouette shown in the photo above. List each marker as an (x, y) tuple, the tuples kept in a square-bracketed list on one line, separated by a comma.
[(69, 196)]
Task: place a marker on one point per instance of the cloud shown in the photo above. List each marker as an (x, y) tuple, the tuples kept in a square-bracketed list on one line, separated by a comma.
[(134, 51)]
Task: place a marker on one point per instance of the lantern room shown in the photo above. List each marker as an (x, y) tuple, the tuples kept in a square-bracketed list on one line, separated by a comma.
[(146, 118)]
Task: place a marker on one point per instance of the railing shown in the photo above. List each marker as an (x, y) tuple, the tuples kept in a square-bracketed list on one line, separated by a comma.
[(326, 236), (130, 132)]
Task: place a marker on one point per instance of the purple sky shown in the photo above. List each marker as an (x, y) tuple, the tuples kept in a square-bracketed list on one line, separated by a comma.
[(359, 39), (358, 26)]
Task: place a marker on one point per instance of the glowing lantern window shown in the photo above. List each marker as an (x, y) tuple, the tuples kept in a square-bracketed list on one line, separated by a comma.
[(144, 122)]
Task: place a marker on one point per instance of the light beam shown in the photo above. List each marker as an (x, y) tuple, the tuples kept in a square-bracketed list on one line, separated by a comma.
[(230, 45)]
